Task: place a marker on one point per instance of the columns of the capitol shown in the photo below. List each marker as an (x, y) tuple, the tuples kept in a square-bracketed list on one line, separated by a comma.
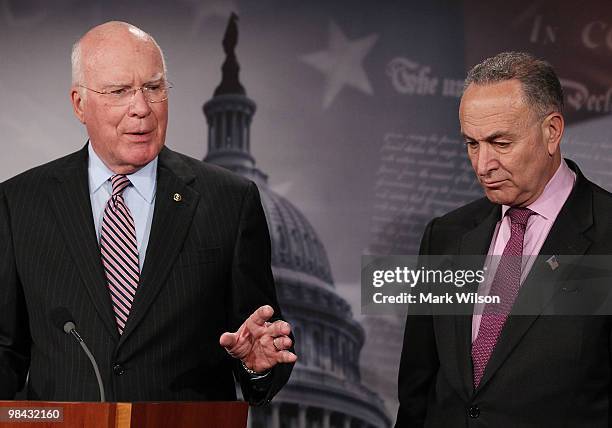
[(275, 416), (243, 132), (230, 117), (347, 421), (223, 130), (302, 416), (238, 134), (326, 415), (247, 143)]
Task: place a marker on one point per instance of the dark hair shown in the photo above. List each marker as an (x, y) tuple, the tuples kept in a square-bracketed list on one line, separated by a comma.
[(540, 83)]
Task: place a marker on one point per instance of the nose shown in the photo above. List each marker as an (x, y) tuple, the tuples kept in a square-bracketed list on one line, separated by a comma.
[(486, 160), (139, 106)]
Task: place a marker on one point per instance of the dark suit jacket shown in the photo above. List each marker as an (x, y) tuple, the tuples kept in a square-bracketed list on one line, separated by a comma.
[(207, 268), (546, 371)]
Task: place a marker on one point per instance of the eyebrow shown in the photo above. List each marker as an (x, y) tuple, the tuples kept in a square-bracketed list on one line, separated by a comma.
[(123, 84), (110, 85), (492, 137)]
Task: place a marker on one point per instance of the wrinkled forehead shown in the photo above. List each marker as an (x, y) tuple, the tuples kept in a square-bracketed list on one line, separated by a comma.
[(500, 104), (501, 95), (122, 59)]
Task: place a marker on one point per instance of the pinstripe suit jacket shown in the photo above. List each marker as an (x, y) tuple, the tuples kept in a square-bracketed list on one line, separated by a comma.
[(206, 270)]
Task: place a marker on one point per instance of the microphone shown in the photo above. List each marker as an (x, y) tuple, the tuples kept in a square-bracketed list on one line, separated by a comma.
[(63, 320)]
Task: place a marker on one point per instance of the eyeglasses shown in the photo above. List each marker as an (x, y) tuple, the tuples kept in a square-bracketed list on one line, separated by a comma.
[(121, 96)]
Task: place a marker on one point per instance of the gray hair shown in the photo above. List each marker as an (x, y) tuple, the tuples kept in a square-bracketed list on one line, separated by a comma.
[(541, 86), (76, 58), (75, 61)]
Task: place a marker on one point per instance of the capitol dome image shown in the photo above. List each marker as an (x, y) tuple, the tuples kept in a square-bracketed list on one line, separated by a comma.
[(325, 389)]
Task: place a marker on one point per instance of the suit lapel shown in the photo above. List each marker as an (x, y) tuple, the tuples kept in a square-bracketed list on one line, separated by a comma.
[(175, 205), (474, 242), (69, 198), (566, 238)]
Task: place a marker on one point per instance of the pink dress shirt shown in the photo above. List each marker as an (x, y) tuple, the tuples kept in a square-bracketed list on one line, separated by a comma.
[(546, 209)]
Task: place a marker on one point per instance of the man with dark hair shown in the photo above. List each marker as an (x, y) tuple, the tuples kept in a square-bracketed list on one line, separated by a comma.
[(540, 84), (495, 368)]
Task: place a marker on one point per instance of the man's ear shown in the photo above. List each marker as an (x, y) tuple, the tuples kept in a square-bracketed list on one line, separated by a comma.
[(552, 129), (78, 103)]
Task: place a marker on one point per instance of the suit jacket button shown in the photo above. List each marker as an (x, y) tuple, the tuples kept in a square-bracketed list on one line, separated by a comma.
[(473, 412), (118, 369)]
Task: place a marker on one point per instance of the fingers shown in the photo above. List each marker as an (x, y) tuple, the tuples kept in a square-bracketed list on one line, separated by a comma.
[(261, 315), (286, 357), (228, 340), (279, 332), (259, 343), (282, 343), (278, 328)]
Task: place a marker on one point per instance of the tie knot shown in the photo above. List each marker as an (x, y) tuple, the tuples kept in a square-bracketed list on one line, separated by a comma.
[(519, 215), (120, 182)]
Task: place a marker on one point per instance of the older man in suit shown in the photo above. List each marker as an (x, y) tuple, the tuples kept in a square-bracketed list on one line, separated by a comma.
[(511, 367), (160, 260)]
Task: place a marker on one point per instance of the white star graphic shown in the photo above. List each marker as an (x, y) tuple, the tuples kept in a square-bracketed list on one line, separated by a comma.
[(342, 63), (205, 9)]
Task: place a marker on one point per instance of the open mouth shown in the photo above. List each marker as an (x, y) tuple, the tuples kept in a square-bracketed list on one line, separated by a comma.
[(139, 133), (139, 136)]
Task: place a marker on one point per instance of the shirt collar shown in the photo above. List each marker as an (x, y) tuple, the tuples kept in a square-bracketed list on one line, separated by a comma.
[(143, 180), (548, 203)]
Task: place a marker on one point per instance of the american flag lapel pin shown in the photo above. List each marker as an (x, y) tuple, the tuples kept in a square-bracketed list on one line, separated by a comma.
[(553, 262)]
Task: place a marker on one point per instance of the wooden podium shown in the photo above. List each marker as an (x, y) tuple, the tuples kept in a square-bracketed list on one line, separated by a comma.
[(43, 414)]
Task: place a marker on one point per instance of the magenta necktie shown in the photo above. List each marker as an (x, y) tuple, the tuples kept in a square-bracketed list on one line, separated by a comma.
[(119, 250), (506, 284)]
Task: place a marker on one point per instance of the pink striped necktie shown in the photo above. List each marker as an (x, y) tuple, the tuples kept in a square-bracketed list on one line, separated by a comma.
[(119, 250), (506, 284)]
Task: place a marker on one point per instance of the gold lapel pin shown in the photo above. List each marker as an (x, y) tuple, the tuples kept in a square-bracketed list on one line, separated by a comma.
[(177, 197)]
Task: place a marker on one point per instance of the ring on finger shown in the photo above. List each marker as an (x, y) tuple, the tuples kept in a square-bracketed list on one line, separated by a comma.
[(274, 343)]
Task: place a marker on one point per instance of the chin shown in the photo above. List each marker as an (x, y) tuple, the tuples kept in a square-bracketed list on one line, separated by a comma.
[(497, 197), (142, 154)]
